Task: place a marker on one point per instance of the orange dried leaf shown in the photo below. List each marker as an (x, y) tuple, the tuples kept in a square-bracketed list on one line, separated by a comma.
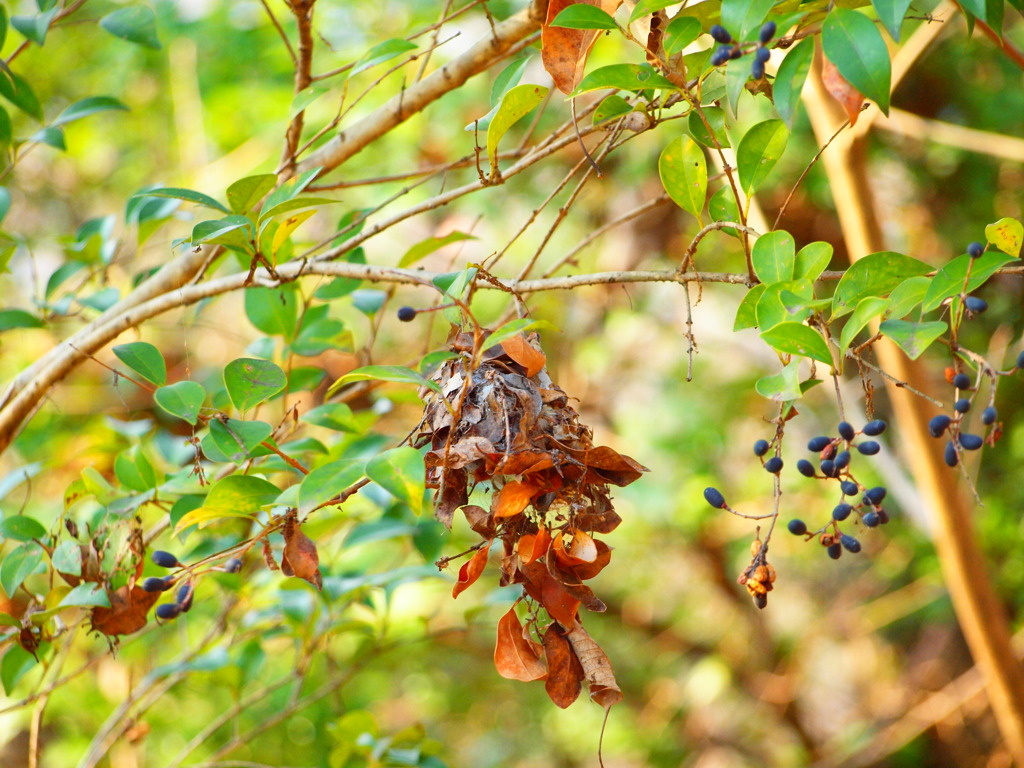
[(300, 557), (542, 587), (590, 570), (848, 97), (565, 673), (597, 670), (513, 499), (516, 657), (471, 570), (127, 611), (564, 51), (524, 353)]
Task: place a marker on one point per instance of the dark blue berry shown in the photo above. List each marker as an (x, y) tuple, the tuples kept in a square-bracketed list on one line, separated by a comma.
[(842, 460), (962, 381), (797, 527), (721, 55), (773, 465), (406, 314), (989, 415), (168, 611), (975, 305), (850, 488), (761, 447), (975, 250), (971, 442), (963, 405), (828, 468), (234, 565), (841, 512), (757, 69), (938, 425), (762, 55), (874, 428), (819, 444), (1020, 360), (715, 498), (184, 597), (720, 34), (869, 448), (156, 584), (767, 32), (951, 458), (805, 468), (736, 53), (835, 551), (164, 559), (849, 543), (846, 430), (874, 495), (871, 519)]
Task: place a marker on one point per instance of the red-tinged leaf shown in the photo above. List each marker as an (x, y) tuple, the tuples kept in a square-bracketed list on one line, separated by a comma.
[(471, 570), (515, 656), (565, 673), (300, 557), (513, 499), (590, 570), (523, 462), (532, 546), (597, 670), (564, 51), (542, 587), (848, 97), (524, 353), (574, 586), (613, 467), (127, 611)]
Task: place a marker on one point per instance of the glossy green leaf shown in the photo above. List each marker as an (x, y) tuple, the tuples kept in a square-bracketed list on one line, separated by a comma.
[(790, 79), (251, 381), (647, 7), (906, 296), (337, 416), (136, 24), (51, 137), (783, 386), (797, 339), (189, 195), (867, 310), (273, 310), (679, 33), (382, 52), (84, 595), (89, 106), (722, 207), (746, 316), (515, 105), (293, 204), (583, 16), (913, 338), (232, 496), (717, 119), (34, 28), (3, 25), (624, 77), (288, 190), (245, 193), (400, 472), (952, 278), (426, 247), (17, 91), (134, 471), (67, 557), (610, 108), (812, 260), (874, 275), (1007, 235), (21, 528), (18, 564), (6, 137), (326, 482), (743, 17), (237, 439), (396, 373), (508, 79), (144, 359), (854, 44), (183, 399), (18, 318), (15, 665), (684, 174), (758, 152), (232, 231), (891, 13), (737, 73), (773, 257), (772, 310)]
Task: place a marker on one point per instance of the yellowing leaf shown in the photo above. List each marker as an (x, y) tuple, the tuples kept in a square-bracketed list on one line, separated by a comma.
[(286, 227)]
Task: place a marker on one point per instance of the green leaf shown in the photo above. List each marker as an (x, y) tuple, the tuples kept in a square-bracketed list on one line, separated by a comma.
[(624, 77), (583, 16), (812, 260), (232, 496), (507, 79), (294, 204), (722, 207), (679, 33), (513, 328), (136, 24), (85, 595), (867, 310), (891, 13), (305, 97), (382, 52), (35, 27), (326, 482), (15, 665), (515, 105), (67, 558), (51, 137), (305, 378), (134, 471), (273, 310), (798, 339), (17, 91), (3, 25), (189, 195), (183, 399), (250, 381), (400, 472), (321, 335), (773, 257), (772, 310), (237, 439), (950, 280), (18, 565), (1007, 235), (783, 386), (611, 107), (431, 244), (745, 313), (874, 275), (854, 44), (759, 150), (290, 189), (913, 338), (790, 79), (684, 174), (6, 137), (647, 7), (716, 118), (245, 193), (144, 359), (336, 416), (906, 296), (89, 106), (743, 17), (21, 528), (18, 318), (737, 73), (232, 231), (396, 373)]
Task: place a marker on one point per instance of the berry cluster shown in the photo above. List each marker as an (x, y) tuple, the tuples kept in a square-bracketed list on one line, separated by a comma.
[(953, 425), (731, 49), (183, 598)]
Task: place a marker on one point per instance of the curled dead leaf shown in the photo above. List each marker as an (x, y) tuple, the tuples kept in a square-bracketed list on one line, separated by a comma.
[(564, 51), (565, 673), (597, 669), (300, 557), (516, 656), (524, 353), (513, 498), (471, 570), (848, 97), (127, 611), (591, 569)]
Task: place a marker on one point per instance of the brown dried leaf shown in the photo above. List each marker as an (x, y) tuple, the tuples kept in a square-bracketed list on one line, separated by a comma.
[(565, 673), (515, 656), (523, 462), (451, 495), (479, 520), (300, 557), (127, 611), (534, 545), (268, 557), (542, 587), (572, 584), (590, 570), (513, 499), (471, 570), (597, 670), (564, 51), (612, 466), (524, 353), (848, 97)]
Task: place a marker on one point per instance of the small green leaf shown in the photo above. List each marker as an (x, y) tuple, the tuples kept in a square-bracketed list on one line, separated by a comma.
[(611, 107), (18, 565), (17, 91), (273, 310), (906, 296), (321, 335), (3, 25), (854, 44), (136, 24), (513, 328), (290, 189), (85, 595), (232, 231), (394, 373), (684, 174), (891, 14), (867, 310), (21, 528), (798, 339), (508, 79), (783, 386), (874, 275), (949, 281), (679, 33), (336, 416), (742, 17), (294, 204), (812, 260), (183, 399), (232, 496), (583, 16), (189, 195), (51, 137), (134, 471), (89, 106), (773, 257), (6, 137), (772, 310), (515, 105), (737, 73), (426, 247), (144, 359), (624, 77), (716, 118), (382, 52), (237, 439), (745, 313), (246, 193), (35, 27), (326, 482), (250, 381), (67, 558), (913, 338), (305, 378), (790, 79), (15, 665), (1007, 235), (400, 472), (18, 318), (758, 152), (305, 97)]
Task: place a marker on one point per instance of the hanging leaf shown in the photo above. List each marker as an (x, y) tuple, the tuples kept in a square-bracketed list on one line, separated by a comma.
[(891, 14), (16, 90), (790, 79), (86, 107), (745, 313), (515, 105), (471, 570), (783, 386), (273, 310), (126, 613), (798, 339), (565, 673), (743, 17), (849, 98), (564, 51), (716, 118), (326, 482), (251, 381), (34, 28), (517, 657), (300, 557), (854, 44), (758, 152), (524, 353), (183, 399), (136, 24), (684, 174), (681, 31), (597, 669), (913, 338), (144, 359), (1007, 235), (513, 498), (773, 257)]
